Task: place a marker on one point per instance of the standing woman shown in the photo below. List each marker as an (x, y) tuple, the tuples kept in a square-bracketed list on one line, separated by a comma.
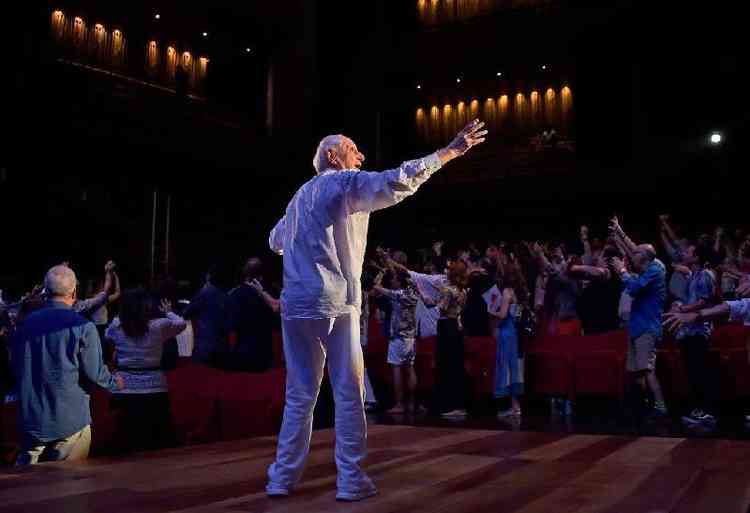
[(449, 354), (509, 360), (139, 334)]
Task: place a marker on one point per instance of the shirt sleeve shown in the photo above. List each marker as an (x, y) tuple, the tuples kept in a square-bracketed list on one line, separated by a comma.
[(171, 326), (276, 238), (390, 294), (635, 284), (86, 307), (366, 191), (705, 287), (428, 284), (739, 311), (90, 358)]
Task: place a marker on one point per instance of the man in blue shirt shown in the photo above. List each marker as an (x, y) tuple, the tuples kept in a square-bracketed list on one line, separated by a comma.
[(695, 337), (647, 286), (54, 350)]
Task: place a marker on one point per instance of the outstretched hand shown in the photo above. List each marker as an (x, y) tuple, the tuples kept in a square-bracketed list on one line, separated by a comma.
[(471, 135)]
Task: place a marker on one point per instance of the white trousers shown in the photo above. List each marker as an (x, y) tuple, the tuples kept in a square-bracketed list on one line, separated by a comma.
[(307, 345)]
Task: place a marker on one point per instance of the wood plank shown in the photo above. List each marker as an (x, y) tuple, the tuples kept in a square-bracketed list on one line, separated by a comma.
[(420, 470)]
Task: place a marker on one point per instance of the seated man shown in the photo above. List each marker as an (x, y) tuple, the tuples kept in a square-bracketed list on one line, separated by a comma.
[(53, 350)]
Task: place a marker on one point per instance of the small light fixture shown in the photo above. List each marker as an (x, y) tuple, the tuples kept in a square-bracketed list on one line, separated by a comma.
[(544, 67), (499, 74), (419, 86), (716, 138), (157, 16), (248, 50), (458, 80), (205, 34)]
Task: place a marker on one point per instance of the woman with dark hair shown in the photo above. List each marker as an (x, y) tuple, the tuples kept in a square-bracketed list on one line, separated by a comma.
[(449, 353), (139, 334), (509, 381)]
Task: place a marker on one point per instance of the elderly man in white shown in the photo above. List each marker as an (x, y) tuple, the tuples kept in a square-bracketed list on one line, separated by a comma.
[(322, 238)]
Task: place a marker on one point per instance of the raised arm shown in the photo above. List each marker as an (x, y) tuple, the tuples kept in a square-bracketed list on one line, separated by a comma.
[(590, 272), (88, 306), (627, 245), (366, 191), (271, 302), (115, 295)]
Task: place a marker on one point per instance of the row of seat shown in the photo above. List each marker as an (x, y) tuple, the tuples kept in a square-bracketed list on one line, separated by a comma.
[(571, 366), (210, 405)]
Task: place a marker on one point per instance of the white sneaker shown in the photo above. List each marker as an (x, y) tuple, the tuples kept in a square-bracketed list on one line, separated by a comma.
[(454, 413), (356, 496)]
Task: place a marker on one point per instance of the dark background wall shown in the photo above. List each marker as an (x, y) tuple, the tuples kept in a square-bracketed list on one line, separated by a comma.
[(85, 151)]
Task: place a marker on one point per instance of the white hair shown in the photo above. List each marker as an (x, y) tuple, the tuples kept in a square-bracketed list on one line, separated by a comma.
[(320, 160), (60, 281)]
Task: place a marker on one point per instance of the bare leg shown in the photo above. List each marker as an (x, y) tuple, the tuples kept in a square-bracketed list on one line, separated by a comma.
[(411, 385), (398, 388)]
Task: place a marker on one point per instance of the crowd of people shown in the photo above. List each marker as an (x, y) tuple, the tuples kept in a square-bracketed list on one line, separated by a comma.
[(54, 346), (51, 338), (593, 286)]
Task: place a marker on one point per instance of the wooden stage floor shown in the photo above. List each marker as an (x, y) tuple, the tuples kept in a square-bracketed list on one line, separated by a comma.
[(417, 469)]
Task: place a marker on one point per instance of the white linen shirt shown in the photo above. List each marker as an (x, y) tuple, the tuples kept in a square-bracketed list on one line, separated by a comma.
[(323, 235)]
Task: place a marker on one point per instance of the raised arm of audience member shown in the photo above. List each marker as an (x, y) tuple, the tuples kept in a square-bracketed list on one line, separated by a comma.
[(86, 307), (171, 325), (588, 257), (273, 304), (116, 292), (627, 246), (590, 272), (718, 239), (538, 252), (682, 269), (540, 290)]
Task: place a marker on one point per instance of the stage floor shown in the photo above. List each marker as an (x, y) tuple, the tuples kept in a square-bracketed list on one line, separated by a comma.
[(417, 469)]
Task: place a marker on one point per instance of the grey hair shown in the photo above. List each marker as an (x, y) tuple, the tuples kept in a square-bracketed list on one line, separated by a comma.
[(60, 281), (320, 160)]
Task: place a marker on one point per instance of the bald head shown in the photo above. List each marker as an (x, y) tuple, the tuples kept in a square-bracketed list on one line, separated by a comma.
[(337, 152), (60, 282), (320, 160), (647, 250)]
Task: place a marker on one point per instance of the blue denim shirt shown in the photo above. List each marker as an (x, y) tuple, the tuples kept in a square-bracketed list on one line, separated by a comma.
[(54, 352), (649, 292)]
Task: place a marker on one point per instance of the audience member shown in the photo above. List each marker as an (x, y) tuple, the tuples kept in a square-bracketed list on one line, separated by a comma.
[(139, 335), (54, 352)]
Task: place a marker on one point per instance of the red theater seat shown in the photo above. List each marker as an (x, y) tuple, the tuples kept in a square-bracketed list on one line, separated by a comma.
[(193, 398), (250, 404)]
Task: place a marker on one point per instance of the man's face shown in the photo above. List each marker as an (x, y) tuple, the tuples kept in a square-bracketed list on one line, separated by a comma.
[(492, 253), (691, 255), (346, 155)]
